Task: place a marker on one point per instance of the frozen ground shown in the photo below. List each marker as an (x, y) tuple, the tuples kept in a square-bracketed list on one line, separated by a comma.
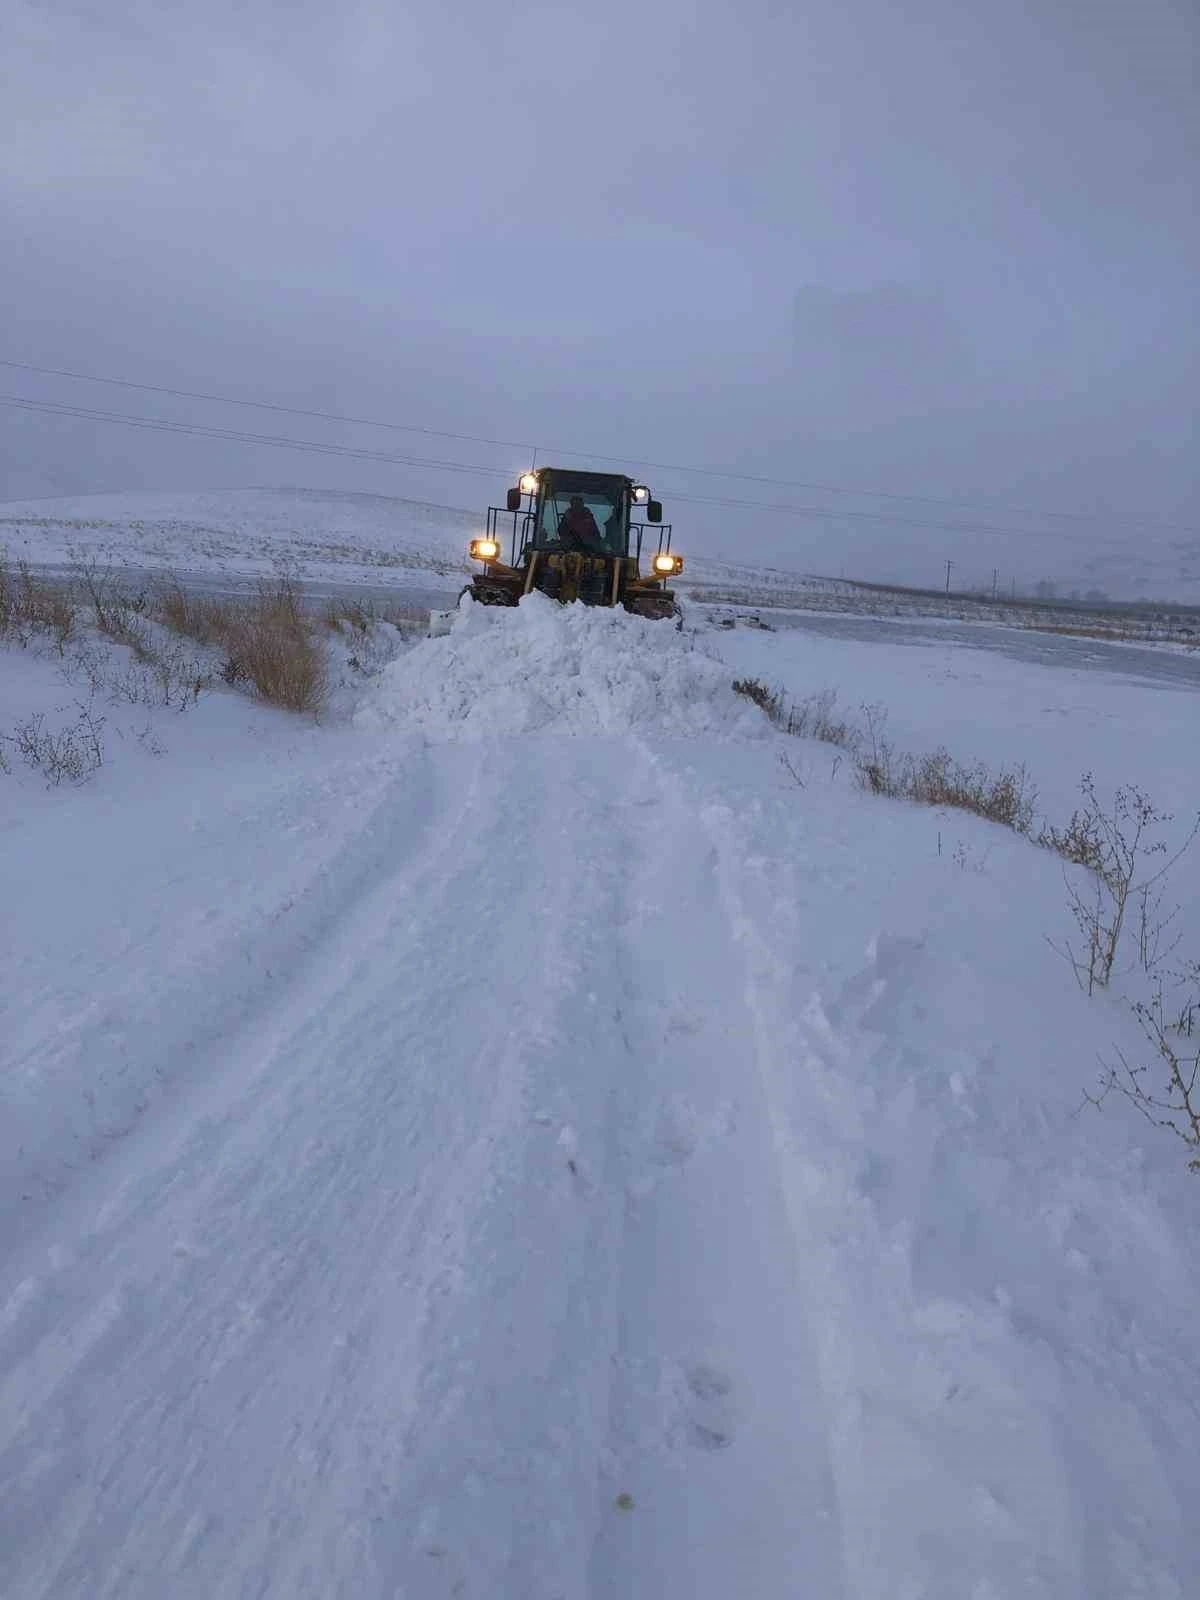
[(517, 1142)]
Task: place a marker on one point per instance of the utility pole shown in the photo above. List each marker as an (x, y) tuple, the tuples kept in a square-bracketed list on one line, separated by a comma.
[(949, 564), (995, 580)]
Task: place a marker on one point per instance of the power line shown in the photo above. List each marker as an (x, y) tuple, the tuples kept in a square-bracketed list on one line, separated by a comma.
[(265, 405), (517, 444), (395, 458), (240, 436)]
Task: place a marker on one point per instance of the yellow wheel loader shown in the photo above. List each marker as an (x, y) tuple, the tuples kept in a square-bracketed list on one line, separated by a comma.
[(574, 536)]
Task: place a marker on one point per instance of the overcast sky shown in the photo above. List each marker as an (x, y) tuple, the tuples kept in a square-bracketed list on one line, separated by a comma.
[(944, 249)]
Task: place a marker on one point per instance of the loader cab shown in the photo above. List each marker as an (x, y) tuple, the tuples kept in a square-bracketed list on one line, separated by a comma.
[(543, 500), (607, 497)]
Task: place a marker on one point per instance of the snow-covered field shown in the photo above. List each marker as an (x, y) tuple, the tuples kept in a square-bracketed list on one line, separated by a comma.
[(323, 537), (331, 540), (984, 698), (240, 533), (518, 1140), (327, 539)]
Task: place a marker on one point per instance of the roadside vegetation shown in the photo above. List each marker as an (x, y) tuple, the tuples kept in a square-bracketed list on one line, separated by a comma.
[(935, 779), (268, 644), (1117, 872), (166, 647)]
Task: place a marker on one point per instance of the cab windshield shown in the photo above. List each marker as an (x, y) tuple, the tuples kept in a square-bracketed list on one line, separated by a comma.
[(594, 517)]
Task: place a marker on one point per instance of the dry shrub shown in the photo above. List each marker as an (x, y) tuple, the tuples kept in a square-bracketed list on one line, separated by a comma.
[(938, 780), (116, 613), (70, 754), (182, 613), (206, 619), (268, 642), (28, 606), (814, 718), (757, 692), (275, 647), (1165, 1089), (1115, 844)]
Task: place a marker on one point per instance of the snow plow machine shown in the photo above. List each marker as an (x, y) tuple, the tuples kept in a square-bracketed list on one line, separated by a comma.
[(574, 536)]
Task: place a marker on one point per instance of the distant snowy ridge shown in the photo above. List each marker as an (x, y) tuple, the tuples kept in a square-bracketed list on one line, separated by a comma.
[(245, 531)]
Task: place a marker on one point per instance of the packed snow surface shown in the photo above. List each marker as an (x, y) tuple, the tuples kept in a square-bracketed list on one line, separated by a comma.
[(584, 1160)]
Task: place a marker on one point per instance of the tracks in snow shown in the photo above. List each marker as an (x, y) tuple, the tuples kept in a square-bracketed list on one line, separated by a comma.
[(718, 1432), (463, 1268)]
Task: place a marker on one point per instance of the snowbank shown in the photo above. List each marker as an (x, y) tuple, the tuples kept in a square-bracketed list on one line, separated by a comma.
[(577, 669)]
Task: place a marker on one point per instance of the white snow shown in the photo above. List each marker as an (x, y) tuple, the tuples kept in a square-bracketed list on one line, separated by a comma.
[(522, 1144), (1059, 721), (246, 533), (578, 669)]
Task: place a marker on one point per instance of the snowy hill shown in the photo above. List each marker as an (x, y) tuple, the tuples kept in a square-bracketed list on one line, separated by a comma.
[(247, 532), (525, 1142)]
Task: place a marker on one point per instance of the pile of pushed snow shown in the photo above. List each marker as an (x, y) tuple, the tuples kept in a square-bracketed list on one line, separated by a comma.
[(577, 669)]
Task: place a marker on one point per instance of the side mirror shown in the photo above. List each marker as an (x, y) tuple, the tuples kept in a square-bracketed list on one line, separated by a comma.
[(513, 501), (654, 511)]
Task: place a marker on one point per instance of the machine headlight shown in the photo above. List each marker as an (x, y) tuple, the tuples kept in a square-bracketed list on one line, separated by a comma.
[(484, 549), (529, 483), (665, 565), (641, 494)]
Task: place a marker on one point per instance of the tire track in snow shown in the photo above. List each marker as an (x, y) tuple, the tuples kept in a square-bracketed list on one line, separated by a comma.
[(134, 1019), (478, 1230), (173, 1196), (193, 1027), (304, 1275), (717, 1477)]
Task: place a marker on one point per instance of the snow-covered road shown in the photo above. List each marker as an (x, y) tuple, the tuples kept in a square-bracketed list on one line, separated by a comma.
[(516, 1156), (386, 1303)]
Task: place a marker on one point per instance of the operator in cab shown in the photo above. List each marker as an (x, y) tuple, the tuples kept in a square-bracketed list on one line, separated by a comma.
[(578, 530)]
